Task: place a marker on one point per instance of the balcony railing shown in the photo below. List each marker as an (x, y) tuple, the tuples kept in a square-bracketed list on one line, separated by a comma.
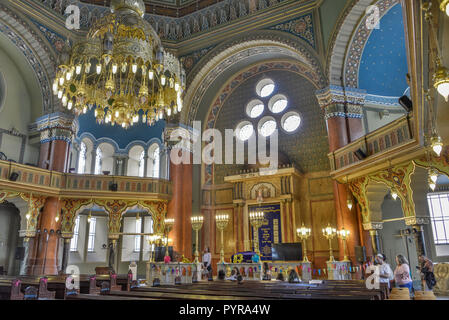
[(387, 138), (39, 180)]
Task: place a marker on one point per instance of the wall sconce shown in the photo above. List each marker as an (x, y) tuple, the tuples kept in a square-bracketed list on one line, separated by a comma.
[(349, 204)]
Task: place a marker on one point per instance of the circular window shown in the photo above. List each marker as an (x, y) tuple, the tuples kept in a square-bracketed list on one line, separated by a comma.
[(278, 103), (265, 88), (291, 121), (244, 130), (255, 108), (267, 126)]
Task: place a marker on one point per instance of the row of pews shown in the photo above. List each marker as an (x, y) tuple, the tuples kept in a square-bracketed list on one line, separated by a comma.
[(121, 287), (60, 287)]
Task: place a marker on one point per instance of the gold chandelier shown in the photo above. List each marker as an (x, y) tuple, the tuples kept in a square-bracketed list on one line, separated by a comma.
[(121, 70)]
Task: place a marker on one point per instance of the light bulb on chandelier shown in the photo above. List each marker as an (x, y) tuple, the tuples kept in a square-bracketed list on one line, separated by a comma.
[(436, 144), (394, 194)]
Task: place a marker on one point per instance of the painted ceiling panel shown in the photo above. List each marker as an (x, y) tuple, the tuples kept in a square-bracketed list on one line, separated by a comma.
[(383, 67)]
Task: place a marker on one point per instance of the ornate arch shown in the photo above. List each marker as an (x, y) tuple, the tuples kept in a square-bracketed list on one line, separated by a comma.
[(348, 43), (223, 57), (39, 55)]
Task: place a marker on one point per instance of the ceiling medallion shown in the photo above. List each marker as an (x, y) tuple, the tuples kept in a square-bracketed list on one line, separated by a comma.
[(121, 70)]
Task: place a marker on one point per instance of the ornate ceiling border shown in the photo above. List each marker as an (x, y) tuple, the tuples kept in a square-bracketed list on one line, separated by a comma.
[(38, 54)]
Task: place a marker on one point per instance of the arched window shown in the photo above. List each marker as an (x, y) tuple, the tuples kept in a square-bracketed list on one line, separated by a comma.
[(156, 162), (98, 157), (82, 158), (142, 164)]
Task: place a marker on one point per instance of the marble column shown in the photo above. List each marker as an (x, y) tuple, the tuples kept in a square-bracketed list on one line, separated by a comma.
[(93, 160), (65, 255)]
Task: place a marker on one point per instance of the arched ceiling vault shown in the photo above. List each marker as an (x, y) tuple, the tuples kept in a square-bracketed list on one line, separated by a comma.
[(41, 57), (218, 66)]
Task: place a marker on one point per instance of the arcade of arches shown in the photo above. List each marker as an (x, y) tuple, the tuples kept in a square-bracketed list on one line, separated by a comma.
[(350, 113)]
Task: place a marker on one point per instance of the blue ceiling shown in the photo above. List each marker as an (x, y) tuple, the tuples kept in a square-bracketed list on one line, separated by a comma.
[(383, 66), (122, 137)]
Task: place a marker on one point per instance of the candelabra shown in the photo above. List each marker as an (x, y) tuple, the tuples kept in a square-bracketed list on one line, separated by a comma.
[(222, 221), (304, 233), (343, 235), (197, 224), (330, 233), (169, 223), (256, 219), (152, 239)]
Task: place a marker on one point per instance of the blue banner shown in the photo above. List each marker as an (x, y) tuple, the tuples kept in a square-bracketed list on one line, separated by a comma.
[(270, 231)]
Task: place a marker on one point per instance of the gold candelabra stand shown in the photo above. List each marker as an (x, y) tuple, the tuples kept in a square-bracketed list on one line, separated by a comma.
[(329, 233), (304, 233), (169, 223), (152, 239), (256, 219), (222, 221), (197, 224), (344, 235)]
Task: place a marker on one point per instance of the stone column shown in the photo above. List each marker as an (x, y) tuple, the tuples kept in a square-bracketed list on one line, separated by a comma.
[(373, 228), (93, 160), (145, 168), (343, 114), (65, 255), (418, 224), (125, 166)]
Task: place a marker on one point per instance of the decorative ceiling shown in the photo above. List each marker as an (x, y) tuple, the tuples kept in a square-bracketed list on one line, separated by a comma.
[(383, 67), (172, 8)]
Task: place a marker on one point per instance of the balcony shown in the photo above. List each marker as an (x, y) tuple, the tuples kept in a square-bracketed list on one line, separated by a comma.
[(52, 183), (378, 148)]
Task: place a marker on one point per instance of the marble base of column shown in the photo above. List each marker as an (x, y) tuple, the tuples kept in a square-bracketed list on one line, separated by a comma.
[(418, 232), (65, 256)]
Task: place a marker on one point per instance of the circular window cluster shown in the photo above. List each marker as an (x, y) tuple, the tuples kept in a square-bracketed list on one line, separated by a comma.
[(276, 104)]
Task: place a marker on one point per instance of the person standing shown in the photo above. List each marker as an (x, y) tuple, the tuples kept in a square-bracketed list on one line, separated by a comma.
[(402, 273), (207, 261), (426, 268), (385, 272)]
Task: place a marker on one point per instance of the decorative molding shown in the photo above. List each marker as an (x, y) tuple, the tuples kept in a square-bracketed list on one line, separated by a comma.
[(373, 226), (413, 221)]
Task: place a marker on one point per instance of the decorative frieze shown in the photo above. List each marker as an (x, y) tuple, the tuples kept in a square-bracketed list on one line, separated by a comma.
[(56, 126)]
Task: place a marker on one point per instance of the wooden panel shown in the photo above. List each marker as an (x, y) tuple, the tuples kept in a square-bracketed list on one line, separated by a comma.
[(323, 212), (320, 186), (223, 196)]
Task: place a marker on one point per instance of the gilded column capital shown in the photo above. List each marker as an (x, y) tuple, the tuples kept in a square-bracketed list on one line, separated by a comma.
[(56, 126), (341, 102), (411, 221), (373, 226)]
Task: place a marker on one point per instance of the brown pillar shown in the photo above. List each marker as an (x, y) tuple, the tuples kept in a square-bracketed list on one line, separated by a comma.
[(56, 133), (46, 255), (174, 209), (339, 136), (187, 173)]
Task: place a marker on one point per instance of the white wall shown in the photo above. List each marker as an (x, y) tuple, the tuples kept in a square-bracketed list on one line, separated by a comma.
[(17, 110)]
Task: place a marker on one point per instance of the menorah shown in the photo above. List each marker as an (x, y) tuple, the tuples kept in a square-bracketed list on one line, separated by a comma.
[(256, 219), (304, 233), (197, 224), (222, 221), (169, 223), (344, 235), (330, 233)]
